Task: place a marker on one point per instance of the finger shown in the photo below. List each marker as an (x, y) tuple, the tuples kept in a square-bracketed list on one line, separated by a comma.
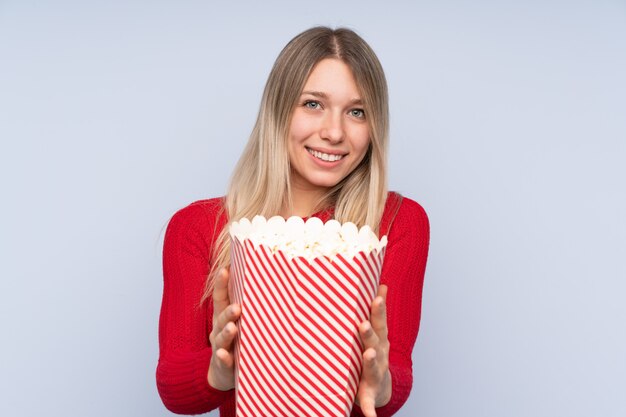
[(382, 291), (225, 338), (369, 379), (220, 293), (368, 336), (370, 374), (221, 370), (369, 364), (368, 405), (379, 317), (225, 359), (230, 314)]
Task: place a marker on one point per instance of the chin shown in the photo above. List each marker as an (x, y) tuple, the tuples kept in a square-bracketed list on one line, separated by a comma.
[(325, 182)]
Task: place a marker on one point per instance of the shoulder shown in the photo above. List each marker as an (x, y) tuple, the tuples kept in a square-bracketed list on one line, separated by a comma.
[(198, 212), (411, 209), (404, 214), (200, 220)]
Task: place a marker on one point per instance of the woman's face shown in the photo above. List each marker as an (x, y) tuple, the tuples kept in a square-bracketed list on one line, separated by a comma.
[(329, 133)]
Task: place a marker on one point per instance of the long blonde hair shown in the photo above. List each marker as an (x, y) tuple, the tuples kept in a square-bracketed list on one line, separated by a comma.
[(260, 183)]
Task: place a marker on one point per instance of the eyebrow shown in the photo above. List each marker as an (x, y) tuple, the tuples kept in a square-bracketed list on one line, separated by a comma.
[(325, 96)]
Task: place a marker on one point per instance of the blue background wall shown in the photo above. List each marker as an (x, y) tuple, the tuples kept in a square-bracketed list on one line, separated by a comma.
[(508, 125)]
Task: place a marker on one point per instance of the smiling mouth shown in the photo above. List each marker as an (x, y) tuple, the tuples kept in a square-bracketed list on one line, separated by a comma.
[(327, 157)]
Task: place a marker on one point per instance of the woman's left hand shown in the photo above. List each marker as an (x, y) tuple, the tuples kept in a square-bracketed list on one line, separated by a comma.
[(375, 386)]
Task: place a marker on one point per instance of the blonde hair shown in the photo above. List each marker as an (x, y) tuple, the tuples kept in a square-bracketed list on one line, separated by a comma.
[(260, 183)]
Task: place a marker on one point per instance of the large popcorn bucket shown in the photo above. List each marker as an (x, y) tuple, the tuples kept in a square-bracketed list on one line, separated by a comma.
[(298, 352)]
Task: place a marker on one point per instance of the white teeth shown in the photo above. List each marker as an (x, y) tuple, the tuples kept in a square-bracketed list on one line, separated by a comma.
[(324, 156)]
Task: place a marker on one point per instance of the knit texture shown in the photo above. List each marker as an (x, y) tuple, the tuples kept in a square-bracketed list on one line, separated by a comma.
[(185, 325)]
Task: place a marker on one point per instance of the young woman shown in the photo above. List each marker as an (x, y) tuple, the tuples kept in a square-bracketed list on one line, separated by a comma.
[(318, 148)]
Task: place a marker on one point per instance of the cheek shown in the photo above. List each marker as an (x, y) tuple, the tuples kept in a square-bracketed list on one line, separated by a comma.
[(361, 140), (300, 127)]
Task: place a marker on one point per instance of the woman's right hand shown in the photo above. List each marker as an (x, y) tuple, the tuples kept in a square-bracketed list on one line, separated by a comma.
[(222, 368)]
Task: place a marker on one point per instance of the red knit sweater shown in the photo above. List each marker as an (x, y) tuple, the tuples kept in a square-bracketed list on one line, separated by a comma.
[(184, 328)]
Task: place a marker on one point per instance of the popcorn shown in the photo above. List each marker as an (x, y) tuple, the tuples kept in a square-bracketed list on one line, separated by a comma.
[(313, 238), (303, 287)]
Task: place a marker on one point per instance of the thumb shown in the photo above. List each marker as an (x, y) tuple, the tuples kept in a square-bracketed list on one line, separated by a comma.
[(367, 406)]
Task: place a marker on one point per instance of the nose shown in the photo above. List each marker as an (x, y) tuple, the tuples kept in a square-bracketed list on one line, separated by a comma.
[(332, 128)]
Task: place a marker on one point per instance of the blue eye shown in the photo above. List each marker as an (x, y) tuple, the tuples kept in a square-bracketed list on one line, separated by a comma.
[(360, 113), (311, 104)]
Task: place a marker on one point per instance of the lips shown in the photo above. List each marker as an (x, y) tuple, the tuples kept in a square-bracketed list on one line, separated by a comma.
[(326, 157)]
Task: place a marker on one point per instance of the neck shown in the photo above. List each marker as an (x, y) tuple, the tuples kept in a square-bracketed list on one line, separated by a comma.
[(304, 202)]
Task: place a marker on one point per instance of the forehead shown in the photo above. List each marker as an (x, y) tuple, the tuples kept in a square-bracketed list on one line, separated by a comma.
[(332, 77)]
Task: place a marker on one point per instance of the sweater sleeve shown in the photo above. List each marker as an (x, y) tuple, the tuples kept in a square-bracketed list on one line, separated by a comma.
[(403, 273), (184, 326)]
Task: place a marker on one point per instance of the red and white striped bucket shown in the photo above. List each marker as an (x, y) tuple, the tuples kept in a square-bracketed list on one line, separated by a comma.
[(298, 352)]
